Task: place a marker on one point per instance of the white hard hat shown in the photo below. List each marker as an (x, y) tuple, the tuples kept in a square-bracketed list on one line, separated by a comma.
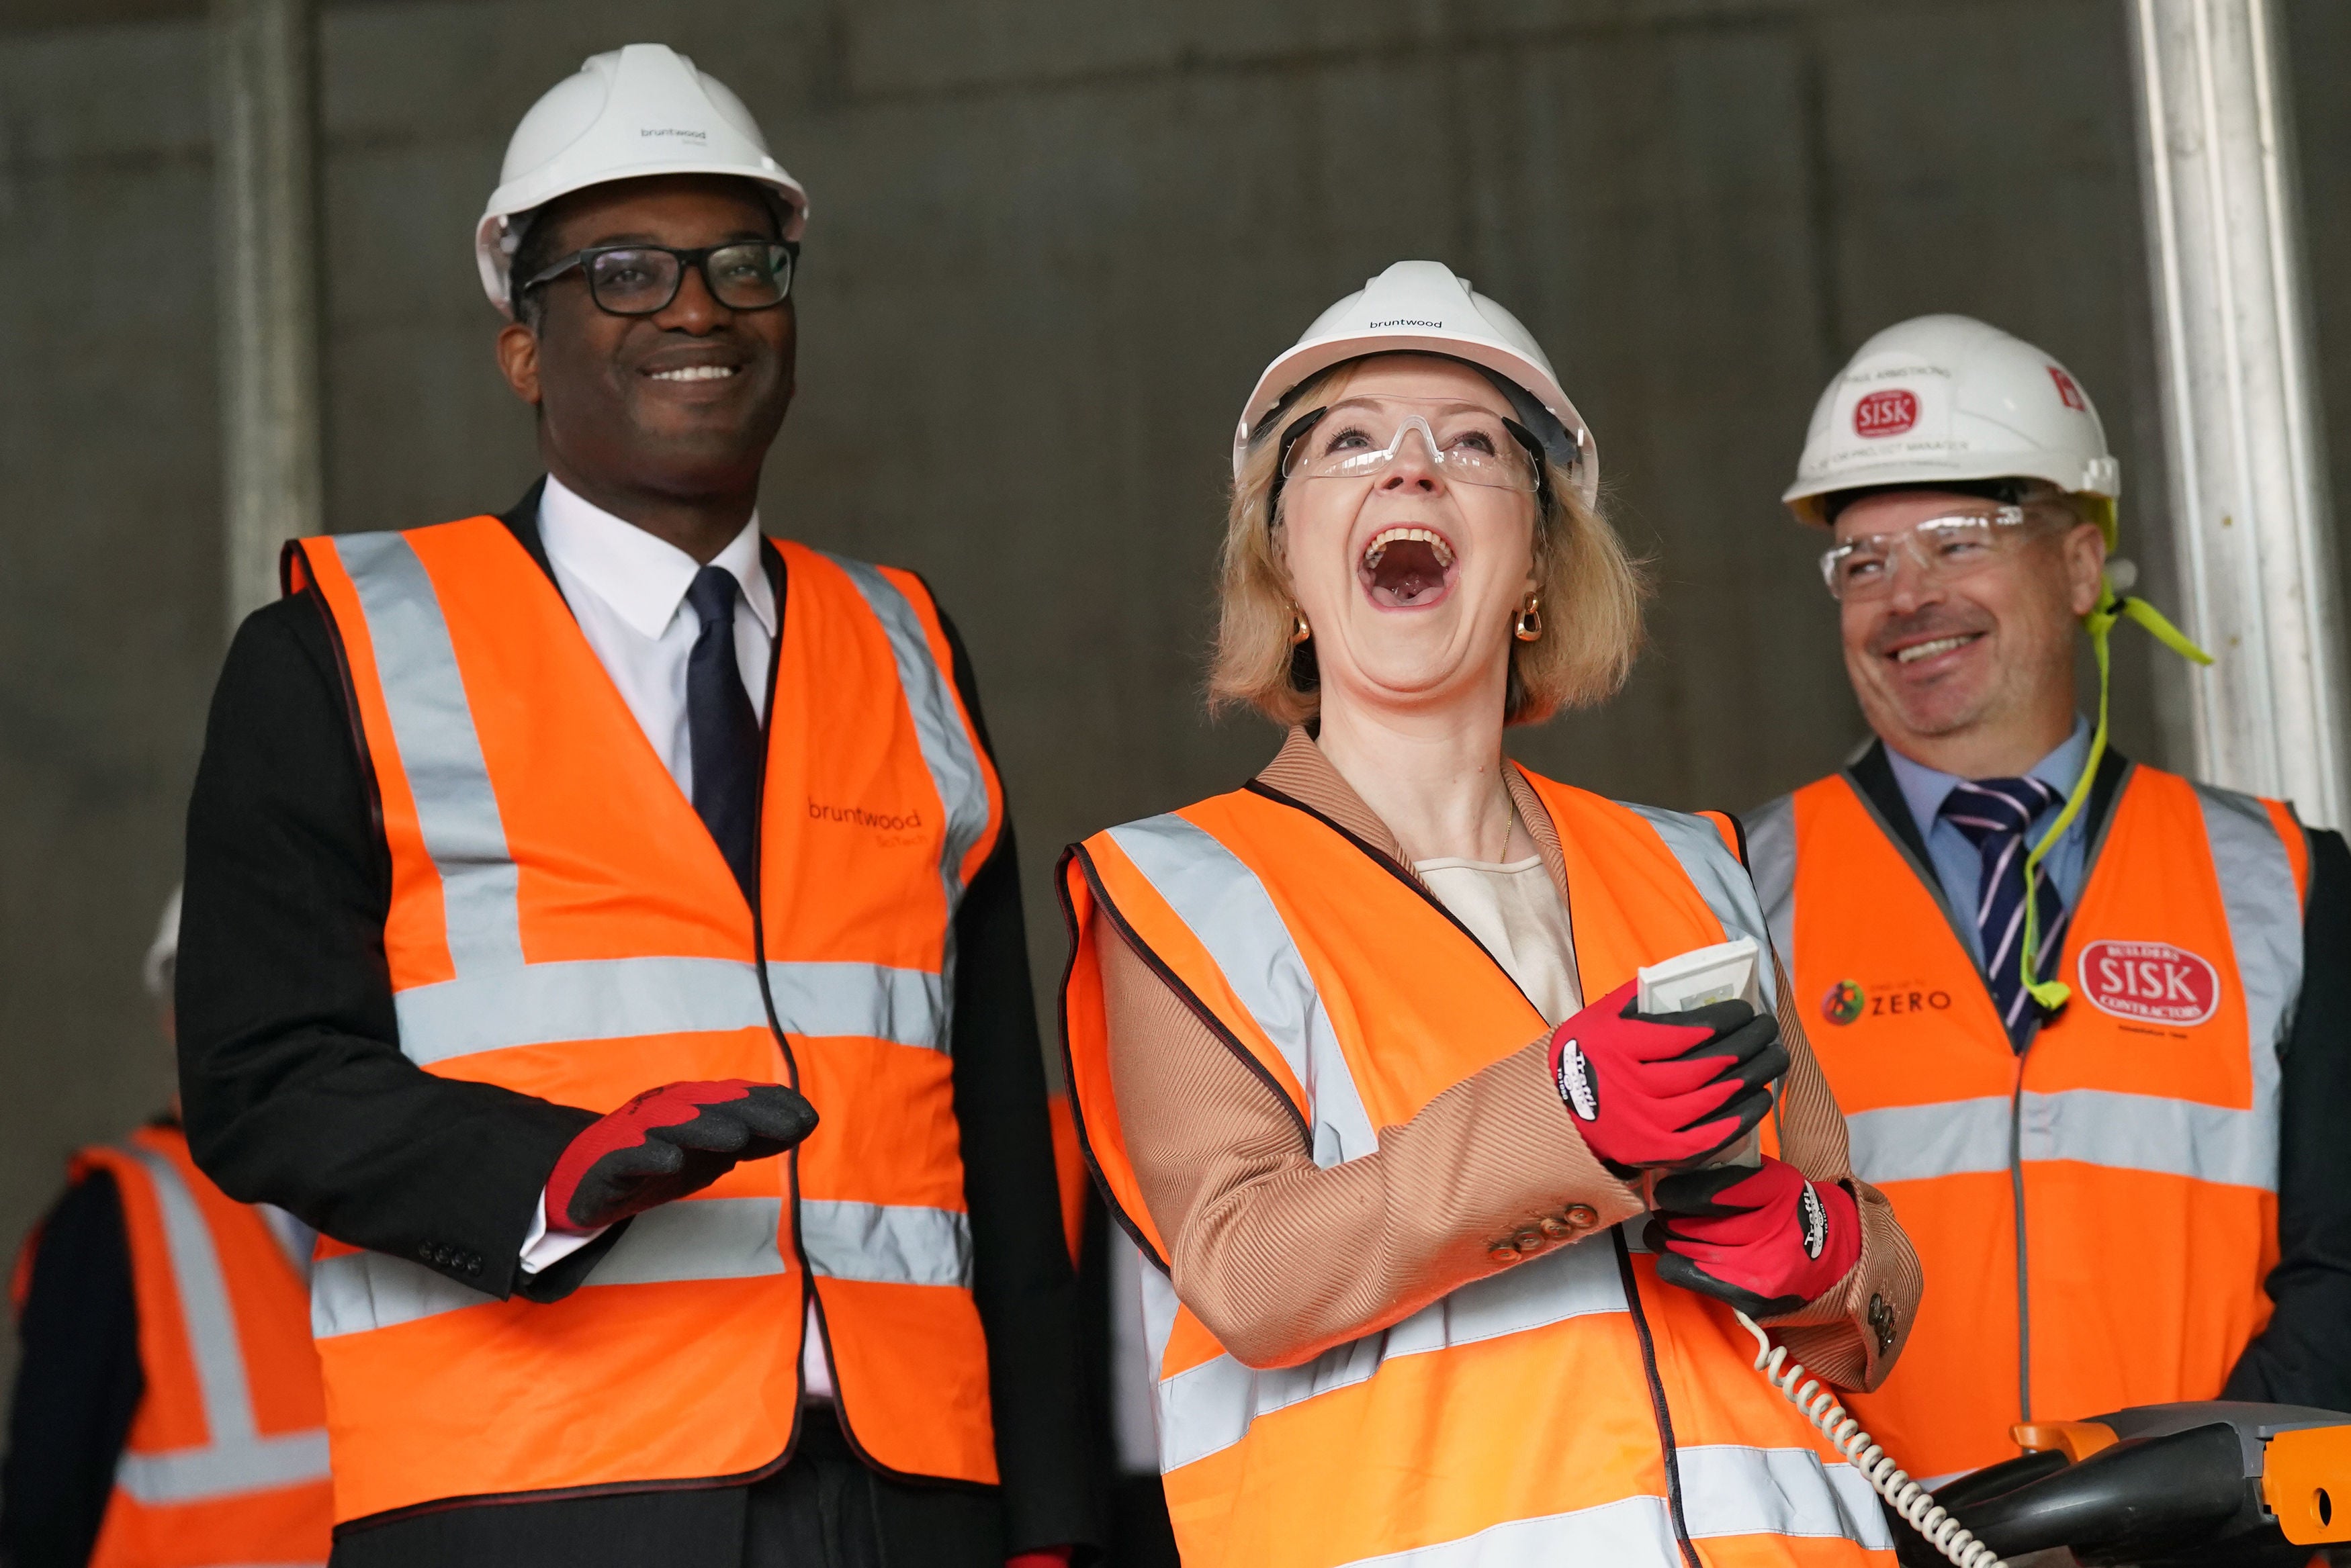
[(165, 950), (1946, 398), (627, 113), (1421, 308)]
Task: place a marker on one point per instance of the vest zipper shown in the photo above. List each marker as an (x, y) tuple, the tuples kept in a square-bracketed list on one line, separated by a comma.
[(2024, 1281), (1664, 1419), (775, 1023)]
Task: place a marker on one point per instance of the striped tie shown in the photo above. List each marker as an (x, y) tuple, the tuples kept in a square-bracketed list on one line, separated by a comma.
[(1995, 813)]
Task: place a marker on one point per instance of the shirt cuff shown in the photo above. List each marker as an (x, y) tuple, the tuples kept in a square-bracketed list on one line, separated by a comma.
[(542, 1248)]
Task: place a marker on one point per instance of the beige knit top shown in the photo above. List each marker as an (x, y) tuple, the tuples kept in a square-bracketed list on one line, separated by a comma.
[(1282, 1258)]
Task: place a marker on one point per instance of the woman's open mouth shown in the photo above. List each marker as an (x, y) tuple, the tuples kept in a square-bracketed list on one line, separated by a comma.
[(1407, 568)]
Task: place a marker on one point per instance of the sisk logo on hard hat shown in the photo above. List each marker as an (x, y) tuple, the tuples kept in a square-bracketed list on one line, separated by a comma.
[(1888, 411), (2068, 393)]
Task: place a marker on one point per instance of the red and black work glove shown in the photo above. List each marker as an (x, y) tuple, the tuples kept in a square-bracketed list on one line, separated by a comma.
[(1656, 1091), (668, 1142), (1766, 1240)]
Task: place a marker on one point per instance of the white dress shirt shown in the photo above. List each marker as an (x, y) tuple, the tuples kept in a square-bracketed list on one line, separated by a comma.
[(627, 590)]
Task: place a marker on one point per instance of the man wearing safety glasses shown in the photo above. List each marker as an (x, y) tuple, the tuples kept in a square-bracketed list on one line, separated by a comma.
[(582, 903), (2087, 1019)]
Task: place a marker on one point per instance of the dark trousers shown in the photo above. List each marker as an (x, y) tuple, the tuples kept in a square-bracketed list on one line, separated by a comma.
[(824, 1509)]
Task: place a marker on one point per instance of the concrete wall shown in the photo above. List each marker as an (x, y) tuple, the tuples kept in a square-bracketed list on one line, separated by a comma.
[(1053, 244)]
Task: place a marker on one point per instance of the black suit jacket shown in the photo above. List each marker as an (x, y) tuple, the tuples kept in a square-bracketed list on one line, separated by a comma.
[(296, 1092)]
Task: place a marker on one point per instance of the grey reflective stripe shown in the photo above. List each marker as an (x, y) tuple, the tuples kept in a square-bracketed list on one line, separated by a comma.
[(819, 999), (619, 999), (1732, 1491), (354, 1292), (1632, 1533), (693, 1239), (585, 999), (697, 1239), (2265, 910), (1725, 1490), (886, 1244), (237, 1458), (1227, 908), (440, 753), (947, 749), (1915, 1143), (1719, 879), (1206, 1409), (1772, 860), (2151, 1133)]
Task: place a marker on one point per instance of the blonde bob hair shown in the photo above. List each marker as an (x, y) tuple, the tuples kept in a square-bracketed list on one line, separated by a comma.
[(1590, 592)]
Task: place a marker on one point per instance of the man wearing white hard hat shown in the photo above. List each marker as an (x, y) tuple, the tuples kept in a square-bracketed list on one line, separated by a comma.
[(1447, 1222), (2086, 1018), (603, 925)]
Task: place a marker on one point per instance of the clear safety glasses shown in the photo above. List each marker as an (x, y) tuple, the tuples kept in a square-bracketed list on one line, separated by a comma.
[(1939, 549), (1362, 438)]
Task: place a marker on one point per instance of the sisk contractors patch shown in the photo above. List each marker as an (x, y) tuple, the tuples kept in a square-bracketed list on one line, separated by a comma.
[(1843, 1002), (2149, 983)]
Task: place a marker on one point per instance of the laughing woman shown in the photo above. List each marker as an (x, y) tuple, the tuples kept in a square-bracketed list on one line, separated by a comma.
[(1355, 1046)]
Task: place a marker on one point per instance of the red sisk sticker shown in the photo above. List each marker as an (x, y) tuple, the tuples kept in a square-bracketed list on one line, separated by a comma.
[(1887, 411), (2149, 983), (2068, 393)]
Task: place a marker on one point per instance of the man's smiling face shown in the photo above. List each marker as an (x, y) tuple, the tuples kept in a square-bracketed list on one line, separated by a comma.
[(1935, 656), (682, 403)]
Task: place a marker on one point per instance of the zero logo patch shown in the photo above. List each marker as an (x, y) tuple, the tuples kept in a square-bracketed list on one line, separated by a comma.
[(2149, 983), (1888, 411), (1575, 1084), (1843, 1002)]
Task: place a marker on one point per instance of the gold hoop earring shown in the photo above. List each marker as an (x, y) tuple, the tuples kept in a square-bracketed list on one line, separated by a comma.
[(1529, 623), (1299, 630)]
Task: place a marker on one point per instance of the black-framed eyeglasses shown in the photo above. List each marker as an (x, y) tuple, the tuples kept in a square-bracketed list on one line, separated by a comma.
[(641, 280)]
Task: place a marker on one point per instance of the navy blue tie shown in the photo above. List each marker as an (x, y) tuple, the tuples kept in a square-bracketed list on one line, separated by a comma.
[(1995, 815), (724, 730)]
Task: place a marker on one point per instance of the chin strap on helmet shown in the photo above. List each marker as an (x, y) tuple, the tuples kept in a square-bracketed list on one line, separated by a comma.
[(2099, 623)]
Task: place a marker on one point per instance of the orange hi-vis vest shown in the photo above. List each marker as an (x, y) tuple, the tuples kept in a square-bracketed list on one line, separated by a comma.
[(2096, 1215), (1571, 1408), (563, 925), (226, 1462)]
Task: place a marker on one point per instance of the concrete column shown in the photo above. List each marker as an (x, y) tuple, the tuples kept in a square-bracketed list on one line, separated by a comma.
[(2249, 512), (266, 207)]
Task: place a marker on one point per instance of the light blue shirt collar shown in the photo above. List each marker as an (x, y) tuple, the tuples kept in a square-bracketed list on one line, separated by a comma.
[(1925, 789)]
